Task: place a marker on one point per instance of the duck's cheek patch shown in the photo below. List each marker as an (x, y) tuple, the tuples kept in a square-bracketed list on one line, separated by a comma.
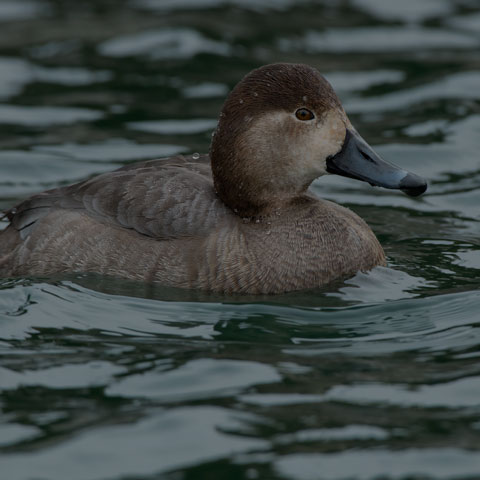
[(332, 133), (325, 140)]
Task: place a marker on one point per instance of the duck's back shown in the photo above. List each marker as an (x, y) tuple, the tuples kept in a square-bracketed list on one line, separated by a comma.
[(166, 198), (85, 227)]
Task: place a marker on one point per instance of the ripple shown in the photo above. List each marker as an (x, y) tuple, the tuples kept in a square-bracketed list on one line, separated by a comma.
[(39, 116), (15, 433), (427, 128), (172, 5), (21, 10), (16, 73), (95, 373), (53, 49), (348, 433), (458, 85), (120, 315), (280, 399), (70, 76), (175, 127), (401, 325), (352, 81), (163, 44), (380, 285), (378, 39), (27, 172), (206, 90), (407, 10), (438, 463), (197, 379), (162, 441), (467, 259), (456, 394), (470, 22)]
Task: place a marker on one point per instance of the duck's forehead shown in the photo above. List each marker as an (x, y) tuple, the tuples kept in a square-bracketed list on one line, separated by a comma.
[(284, 87)]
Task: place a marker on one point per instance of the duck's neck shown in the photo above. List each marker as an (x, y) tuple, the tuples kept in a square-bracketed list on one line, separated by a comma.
[(247, 188)]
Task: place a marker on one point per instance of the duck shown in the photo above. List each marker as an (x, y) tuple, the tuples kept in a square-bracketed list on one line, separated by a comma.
[(241, 219)]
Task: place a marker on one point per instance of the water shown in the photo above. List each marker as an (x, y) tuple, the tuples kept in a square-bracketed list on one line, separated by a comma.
[(376, 377)]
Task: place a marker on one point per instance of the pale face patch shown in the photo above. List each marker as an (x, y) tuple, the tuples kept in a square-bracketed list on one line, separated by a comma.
[(291, 151), (322, 139)]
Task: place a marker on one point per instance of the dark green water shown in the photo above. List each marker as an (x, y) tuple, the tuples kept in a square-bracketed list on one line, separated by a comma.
[(376, 378)]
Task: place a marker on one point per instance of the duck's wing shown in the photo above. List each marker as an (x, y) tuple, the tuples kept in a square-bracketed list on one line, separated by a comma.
[(166, 198)]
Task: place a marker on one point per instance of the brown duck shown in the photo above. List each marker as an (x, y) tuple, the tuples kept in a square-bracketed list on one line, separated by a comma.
[(239, 220)]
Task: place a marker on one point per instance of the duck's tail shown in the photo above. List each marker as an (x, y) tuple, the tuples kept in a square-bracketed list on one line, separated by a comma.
[(9, 241)]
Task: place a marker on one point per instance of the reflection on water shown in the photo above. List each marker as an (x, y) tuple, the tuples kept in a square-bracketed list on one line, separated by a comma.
[(375, 377)]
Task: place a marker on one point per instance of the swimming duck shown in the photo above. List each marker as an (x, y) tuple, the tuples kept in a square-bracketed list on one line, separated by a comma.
[(241, 219)]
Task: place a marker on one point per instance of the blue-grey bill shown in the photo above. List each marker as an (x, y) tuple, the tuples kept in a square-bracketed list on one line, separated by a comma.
[(358, 160)]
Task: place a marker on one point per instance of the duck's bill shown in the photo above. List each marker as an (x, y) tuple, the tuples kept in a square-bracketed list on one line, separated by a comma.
[(357, 160)]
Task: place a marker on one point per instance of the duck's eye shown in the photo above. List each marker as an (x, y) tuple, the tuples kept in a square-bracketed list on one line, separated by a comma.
[(304, 114)]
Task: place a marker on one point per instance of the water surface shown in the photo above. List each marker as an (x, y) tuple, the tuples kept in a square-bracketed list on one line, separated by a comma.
[(375, 377)]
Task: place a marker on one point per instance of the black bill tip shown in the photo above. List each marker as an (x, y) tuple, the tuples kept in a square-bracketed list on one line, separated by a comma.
[(413, 185)]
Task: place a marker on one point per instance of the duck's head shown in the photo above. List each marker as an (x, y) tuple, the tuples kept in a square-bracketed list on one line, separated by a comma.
[(280, 128)]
